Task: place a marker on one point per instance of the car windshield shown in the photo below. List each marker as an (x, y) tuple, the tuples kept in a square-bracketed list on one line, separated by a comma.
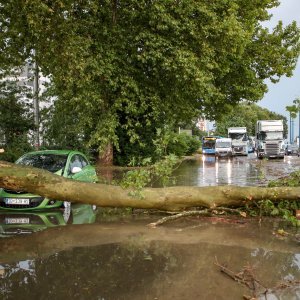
[(223, 145), (238, 136), (271, 135), (50, 162)]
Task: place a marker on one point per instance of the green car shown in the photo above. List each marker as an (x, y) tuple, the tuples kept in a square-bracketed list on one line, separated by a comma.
[(66, 163)]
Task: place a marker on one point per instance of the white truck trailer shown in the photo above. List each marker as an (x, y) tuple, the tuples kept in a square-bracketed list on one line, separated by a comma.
[(269, 139), (239, 140)]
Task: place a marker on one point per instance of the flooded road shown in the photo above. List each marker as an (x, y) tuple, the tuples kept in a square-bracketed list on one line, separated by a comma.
[(94, 254), (240, 170)]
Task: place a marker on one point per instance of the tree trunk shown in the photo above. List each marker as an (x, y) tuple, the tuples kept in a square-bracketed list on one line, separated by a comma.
[(107, 156), (178, 198)]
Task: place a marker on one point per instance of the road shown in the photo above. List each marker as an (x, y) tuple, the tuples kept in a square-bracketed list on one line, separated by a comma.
[(240, 170)]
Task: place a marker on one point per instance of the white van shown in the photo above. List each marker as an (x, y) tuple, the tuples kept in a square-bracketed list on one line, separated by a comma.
[(223, 147)]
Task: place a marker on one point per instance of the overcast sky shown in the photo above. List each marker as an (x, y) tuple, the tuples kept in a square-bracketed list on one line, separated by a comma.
[(283, 93)]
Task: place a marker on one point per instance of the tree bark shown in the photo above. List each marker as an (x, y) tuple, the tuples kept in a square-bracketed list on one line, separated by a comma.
[(106, 158), (178, 198)]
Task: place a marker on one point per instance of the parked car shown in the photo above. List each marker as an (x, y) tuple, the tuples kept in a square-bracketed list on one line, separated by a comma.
[(66, 163), (292, 149)]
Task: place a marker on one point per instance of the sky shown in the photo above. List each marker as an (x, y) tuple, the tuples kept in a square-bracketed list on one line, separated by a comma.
[(287, 89)]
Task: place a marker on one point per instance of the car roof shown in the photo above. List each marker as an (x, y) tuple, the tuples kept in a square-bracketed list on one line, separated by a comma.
[(57, 152), (224, 140)]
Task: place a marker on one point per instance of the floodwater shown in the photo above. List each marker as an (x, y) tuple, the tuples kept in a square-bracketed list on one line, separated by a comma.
[(240, 170), (96, 254)]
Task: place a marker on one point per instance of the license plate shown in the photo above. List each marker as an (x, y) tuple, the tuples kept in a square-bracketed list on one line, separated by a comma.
[(17, 201), (17, 221)]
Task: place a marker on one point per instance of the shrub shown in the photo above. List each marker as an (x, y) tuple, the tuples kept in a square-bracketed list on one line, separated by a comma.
[(183, 144)]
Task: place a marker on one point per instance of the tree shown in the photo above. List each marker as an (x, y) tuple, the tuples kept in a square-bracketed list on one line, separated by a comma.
[(179, 198), (246, 115), (162, 60), (16, 118)]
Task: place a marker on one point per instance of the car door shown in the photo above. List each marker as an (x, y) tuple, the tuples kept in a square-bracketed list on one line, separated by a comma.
[(87, 172)]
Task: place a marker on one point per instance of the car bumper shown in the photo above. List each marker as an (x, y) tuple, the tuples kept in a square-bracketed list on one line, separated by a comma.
[(265, 155), (13, 202)]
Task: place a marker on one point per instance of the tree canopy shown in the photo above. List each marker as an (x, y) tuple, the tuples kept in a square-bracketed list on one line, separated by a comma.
[(131, 64)]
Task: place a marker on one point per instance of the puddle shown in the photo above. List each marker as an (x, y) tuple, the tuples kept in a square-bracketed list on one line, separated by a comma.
[(129, 260)]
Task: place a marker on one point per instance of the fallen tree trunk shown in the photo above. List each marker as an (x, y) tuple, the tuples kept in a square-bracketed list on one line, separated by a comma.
[(178, 198)]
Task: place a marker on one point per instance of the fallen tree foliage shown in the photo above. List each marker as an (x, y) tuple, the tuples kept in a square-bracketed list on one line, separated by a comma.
[(177, 198)]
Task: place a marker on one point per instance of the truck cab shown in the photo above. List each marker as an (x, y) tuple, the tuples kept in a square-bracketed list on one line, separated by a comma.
[(269, 137), (240, 140)]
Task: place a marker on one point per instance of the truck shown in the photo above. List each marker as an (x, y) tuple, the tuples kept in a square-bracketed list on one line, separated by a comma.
[(223, 147), (239, 140), (269, 139)]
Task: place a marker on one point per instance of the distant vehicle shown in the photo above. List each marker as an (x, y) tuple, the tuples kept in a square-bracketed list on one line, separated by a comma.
[(292, 149), (251, 144), (269, 138), (239, 140), (223, 147), (66, 163), (208, 145)]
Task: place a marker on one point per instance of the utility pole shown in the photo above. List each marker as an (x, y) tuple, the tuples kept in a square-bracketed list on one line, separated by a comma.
[(290, 129), (292, 132), (207, 123), (36, 105)]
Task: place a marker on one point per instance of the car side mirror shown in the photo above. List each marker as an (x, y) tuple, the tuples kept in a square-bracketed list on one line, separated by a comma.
[(76, 170), (59, 172)]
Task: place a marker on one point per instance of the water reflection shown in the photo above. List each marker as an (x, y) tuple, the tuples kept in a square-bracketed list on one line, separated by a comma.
[(223, 171), (14, 223), (243, 171), (135, 262)]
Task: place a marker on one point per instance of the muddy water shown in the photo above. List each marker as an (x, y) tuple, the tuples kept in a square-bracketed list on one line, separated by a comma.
[(90, 254), (244, 171)]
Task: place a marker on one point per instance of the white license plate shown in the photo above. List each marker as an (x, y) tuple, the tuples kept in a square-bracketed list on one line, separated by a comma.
[(18, 201), (17, 221)]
